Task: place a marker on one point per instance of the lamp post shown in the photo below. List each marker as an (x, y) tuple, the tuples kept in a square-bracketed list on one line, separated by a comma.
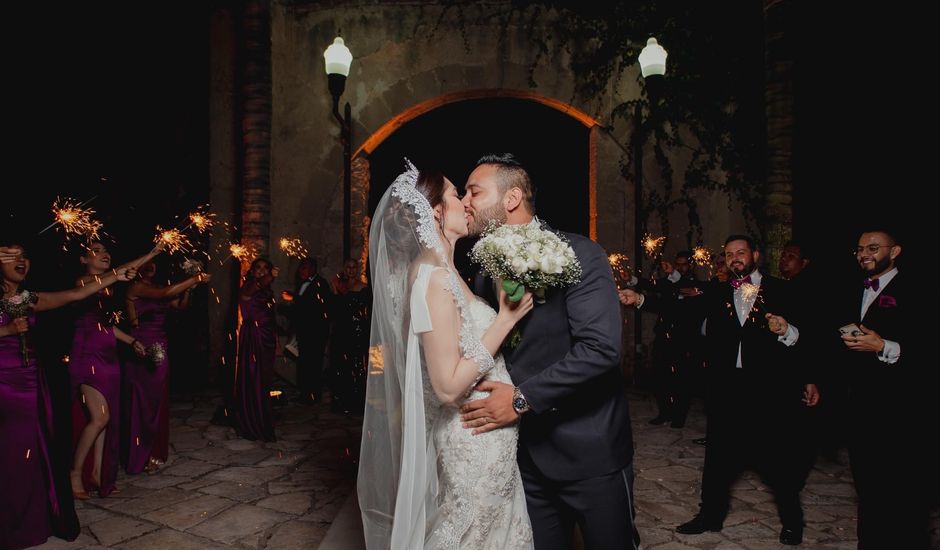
[(338, 59), (652, 61)]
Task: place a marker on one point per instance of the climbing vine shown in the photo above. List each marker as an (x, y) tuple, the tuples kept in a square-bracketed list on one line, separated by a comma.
[(710, 107)]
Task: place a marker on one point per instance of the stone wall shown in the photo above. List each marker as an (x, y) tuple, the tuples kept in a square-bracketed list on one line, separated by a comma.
[(407, 54)]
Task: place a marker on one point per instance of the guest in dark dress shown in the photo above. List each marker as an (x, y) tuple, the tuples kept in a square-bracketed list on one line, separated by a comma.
[(146, 379), (95, 376), (33, 506), (352, 317), (257, 340)]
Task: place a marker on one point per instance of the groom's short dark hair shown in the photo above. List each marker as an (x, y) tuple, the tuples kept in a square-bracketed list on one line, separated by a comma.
[(512, 174)]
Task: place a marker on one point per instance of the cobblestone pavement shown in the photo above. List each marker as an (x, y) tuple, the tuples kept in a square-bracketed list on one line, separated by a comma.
[(220, 491)]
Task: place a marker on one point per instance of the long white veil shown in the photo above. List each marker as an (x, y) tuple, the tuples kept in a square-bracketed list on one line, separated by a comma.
[(397, 478)]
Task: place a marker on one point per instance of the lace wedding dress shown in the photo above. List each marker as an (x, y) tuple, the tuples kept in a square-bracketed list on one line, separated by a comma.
[(481, 502), (424, 480)]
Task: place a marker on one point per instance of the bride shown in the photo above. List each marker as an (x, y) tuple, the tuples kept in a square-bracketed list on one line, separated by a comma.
[(424, 480)]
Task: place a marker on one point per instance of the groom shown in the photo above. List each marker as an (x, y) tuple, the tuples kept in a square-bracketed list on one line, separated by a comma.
[(575, 443)]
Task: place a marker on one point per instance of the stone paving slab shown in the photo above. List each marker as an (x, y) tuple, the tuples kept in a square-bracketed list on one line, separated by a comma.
[(220, 491), (238, 522)]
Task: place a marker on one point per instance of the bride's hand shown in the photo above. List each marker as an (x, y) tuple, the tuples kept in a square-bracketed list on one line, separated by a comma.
[(515, 311)]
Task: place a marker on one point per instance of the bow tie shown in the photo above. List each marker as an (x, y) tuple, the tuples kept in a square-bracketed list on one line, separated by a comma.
[(872, 284), (736, 283)]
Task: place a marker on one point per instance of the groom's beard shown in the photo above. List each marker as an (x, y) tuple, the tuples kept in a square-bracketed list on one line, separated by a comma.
[(482, 218)]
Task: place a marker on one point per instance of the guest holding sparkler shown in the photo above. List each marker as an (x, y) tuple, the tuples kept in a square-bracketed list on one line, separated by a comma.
[(754, 393), (95, 374), (32, 507), (347, 280), (257, 340), (146, 388), (310, 322)]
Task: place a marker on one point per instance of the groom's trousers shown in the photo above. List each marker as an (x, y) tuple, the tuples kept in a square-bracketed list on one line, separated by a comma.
[(601, 506)]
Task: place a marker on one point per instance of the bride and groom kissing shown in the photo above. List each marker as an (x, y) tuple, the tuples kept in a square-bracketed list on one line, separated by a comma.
[(468, 443)]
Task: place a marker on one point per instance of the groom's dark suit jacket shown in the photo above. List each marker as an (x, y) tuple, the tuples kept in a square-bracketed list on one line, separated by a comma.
[(568, 367)]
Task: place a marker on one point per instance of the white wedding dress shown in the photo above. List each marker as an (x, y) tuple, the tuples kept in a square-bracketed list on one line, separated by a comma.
[(424, 480), (480, 502)]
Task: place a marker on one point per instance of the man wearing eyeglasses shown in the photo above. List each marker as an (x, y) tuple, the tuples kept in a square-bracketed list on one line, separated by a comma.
[(885, 422)]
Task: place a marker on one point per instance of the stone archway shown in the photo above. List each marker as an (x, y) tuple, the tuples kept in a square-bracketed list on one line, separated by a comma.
[(554, 139)]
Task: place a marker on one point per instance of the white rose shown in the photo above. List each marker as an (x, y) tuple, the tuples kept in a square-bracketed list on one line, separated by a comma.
[(548, 264)]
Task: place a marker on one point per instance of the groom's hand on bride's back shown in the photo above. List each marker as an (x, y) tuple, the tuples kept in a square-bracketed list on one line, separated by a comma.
[(494, 412)]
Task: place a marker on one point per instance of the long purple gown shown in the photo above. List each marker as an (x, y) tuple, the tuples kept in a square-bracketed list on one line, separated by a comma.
[(30, 507), (94, 362), (146, 390), (254, 369)]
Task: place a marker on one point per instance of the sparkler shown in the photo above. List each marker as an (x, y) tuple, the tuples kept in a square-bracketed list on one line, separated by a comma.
[(201, 219), (652, 245), (702, 256), (173, 240), (293, 247), (73, 219), (240, 251), (620, 264)]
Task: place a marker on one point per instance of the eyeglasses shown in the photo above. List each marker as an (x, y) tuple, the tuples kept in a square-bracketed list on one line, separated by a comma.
[(872, 248)]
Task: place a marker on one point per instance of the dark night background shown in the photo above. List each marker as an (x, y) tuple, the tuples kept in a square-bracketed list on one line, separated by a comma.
[(109, 100)]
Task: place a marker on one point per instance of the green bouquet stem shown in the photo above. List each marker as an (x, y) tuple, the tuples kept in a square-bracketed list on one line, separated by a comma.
[(516, 290)]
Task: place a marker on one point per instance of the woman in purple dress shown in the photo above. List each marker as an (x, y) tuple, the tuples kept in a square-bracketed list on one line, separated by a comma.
[(32, 507), (254, 368), (146, 388), (96, 381)]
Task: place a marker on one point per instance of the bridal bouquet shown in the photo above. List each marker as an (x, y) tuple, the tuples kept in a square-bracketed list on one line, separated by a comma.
[(525, 257), (17, 306), (192, 267), (156, 353)]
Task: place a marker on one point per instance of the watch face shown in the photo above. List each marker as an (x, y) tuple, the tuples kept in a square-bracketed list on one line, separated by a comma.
[(519, 403)]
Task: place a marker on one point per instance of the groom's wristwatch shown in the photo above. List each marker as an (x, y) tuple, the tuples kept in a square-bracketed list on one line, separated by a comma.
[(519, 404)]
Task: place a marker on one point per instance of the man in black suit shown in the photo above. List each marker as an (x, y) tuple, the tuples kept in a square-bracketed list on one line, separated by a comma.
[(754, 393), (575, 442), (883, 366), (310, 322), (677, 349)]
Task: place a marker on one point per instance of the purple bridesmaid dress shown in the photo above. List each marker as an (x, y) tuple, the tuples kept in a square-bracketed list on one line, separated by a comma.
[(254, 369), (30, 508), (94, 362), (146, 390)]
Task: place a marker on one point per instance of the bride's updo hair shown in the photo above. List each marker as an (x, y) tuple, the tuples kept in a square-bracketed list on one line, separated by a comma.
[(431, 185)]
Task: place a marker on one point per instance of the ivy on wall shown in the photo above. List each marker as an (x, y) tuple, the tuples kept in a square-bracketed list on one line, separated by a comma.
[(710, 108)]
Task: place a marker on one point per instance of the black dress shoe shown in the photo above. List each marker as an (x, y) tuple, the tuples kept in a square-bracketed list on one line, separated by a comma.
[(659, 420), (700, 441), (791, 537), (698, 525)]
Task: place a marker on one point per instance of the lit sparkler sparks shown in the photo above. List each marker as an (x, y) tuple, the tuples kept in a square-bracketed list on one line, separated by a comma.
[(173, 240), (620, 265), (239, 251), (651, 244), (293, 247), (702, 256), (201, 219), (73, 219), (749, 291)]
